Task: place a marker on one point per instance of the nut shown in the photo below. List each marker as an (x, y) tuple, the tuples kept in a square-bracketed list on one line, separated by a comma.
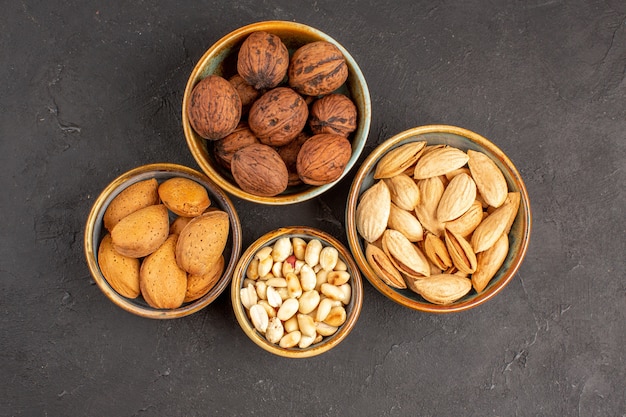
[(372, 211), (263, 60), (214, 107), (333, 113), (298, 310), (278, 116), (225, 148), (323, 158), (259, 170), (317, 68)]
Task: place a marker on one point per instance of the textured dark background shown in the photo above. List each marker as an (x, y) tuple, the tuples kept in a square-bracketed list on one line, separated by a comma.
[(89, 90)]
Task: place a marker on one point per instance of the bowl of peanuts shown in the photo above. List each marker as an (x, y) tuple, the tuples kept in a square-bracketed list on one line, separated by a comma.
[(297, 292)]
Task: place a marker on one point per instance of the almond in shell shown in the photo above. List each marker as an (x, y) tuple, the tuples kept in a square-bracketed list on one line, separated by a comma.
[(200, 285), (383, 267), (461, 252), (121, 272), (136, 196), (163, 283), (442, 289), (436, 251), (431, 190), (489, 262), (404, 255), (457, 198), (406, 223), (399, 159), (489, 179), (184, 197), (439, 161), (404, 191), (372, 211), (141, 232), (202, 242), (468, 221), (495, 224)]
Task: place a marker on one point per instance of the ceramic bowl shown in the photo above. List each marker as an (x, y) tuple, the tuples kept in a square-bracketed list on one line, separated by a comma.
[(94, 232), (518, 237), (352, 308), (220, 59)]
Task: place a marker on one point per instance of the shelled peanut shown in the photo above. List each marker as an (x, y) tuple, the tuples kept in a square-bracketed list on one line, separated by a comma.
[(436, 220), (296, 292)]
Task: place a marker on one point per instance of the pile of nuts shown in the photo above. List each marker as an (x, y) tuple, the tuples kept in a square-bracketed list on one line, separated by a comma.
[(279, 121), (436, 220), (295, 292), (168, 263)]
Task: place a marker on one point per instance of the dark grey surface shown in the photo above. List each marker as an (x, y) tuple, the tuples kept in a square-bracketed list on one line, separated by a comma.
[(89, 90)]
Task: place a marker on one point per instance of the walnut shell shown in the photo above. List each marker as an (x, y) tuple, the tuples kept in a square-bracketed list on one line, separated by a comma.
[(333, 113), (214, 107), (259, 170), (263, 60), (323, 158), (247, 93), (278, 116), (225, 148), (317, 68), (289, 154)]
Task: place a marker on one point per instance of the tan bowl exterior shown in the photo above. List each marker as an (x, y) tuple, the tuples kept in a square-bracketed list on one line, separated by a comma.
[(220, 59), (463, 139), (94, 231), (353, 309)]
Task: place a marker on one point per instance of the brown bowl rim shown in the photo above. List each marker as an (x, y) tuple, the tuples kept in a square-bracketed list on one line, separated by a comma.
[(91, 243), (354, 240), (355, 304), (233, 38)]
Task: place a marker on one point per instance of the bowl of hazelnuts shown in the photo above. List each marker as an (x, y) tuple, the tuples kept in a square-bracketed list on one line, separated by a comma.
[(276, 112)]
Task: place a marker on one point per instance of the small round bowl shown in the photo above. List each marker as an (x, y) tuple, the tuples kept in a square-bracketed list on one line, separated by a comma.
[(353, 308), (95, 231), (463, 139), (220, 59)]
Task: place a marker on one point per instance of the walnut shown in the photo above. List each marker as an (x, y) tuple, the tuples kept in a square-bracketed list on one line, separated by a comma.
[(323, 158), (333, 113), (214, 107), (317, 68), (263, 60), (278, 116), (247, 93), (259, 170), (225, 148)]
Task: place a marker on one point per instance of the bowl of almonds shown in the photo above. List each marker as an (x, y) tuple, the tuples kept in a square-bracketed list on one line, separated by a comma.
[(297, 292), (162, 240), (276, 112), (438, 219)]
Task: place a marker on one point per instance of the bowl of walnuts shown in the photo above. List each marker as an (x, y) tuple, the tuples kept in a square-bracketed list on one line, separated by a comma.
[(276, 112), (438, 219), (297, 292), (161, 241)]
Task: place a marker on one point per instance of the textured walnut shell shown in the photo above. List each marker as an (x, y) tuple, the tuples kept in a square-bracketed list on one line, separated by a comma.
[(225, 148), (259, 170), (289, 154), (333, 113), (323, 158), (247, 93), (317, 68), (263, 60), (214, 107), (278, 116)]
